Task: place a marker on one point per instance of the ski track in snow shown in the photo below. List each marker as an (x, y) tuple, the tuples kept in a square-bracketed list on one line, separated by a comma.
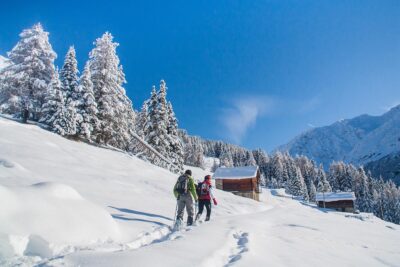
[(158, 235)]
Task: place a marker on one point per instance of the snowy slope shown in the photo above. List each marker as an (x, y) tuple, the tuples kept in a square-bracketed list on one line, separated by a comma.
[(358, 140), (64, 203)]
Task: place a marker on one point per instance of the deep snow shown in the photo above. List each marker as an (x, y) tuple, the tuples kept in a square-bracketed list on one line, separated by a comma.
[(69, 203)]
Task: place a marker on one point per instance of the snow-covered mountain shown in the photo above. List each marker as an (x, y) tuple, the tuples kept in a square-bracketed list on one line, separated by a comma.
[(359, 140), (66, 203), (388, 167)]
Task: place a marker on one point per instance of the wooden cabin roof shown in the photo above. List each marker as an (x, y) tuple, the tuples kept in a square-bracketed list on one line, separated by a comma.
[(236, 172), (335, 196)]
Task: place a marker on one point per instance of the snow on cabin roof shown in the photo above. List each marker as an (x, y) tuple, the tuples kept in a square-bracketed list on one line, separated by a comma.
[(236, 172), (335, 196)]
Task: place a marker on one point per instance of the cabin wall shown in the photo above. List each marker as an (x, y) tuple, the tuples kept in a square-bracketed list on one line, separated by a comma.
[(241, 187), (340, 205)]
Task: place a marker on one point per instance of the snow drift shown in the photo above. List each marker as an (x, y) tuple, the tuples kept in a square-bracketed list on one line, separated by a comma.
[(50, 213)]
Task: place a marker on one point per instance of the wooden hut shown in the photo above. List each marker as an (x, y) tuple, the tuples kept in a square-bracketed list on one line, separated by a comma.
[(242, 181), (340, 201)]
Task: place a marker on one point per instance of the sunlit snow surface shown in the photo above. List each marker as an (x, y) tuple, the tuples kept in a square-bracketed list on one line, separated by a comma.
[(65, 203)]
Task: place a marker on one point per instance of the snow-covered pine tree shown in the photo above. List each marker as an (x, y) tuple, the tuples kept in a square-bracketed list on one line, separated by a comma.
[(69, 76), (25, 81), (69, 83), (59, 115), (340, 176), (295, 185), (249, 161), (391, 202), (262, 161), (158, 130), (308, 171), (54, 101), (115, 112), (362, 192), (142, 121), (322, 183), (176, 147), (351, 173), (86, 106), (276, 169), (226, 159), (312, 192)]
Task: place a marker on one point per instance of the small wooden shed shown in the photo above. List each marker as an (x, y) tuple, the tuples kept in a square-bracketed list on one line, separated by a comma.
[(340, 201), (242, 181)]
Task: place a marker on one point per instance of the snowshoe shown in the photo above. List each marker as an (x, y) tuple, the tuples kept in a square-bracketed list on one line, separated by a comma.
[(178, 225)]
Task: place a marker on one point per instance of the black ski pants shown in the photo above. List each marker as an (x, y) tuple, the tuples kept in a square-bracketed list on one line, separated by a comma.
[(207, 204)]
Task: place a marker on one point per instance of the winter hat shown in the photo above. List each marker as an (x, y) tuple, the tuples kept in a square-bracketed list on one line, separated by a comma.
[(188, 172), (207, 177)]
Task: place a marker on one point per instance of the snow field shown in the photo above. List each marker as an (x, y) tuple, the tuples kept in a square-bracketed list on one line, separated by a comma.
[(72, 204)]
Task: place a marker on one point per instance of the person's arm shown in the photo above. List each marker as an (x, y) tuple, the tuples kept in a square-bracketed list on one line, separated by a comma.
[(175, 192), (192, 188), (212, 195)]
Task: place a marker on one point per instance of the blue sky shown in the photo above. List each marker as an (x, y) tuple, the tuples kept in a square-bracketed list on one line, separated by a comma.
[(255, 73)]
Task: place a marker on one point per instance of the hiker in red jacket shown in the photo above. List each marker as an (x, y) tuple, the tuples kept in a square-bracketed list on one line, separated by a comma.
[(205, 194)]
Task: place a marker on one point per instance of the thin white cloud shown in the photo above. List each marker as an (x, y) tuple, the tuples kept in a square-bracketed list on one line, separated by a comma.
[(311, 125), (243, 114)]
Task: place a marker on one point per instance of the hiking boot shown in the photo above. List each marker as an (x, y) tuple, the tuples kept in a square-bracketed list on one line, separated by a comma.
[(207, 218), (197, 216), (190, 220)]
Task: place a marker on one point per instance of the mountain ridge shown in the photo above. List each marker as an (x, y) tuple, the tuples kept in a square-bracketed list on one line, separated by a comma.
[(358, 140)]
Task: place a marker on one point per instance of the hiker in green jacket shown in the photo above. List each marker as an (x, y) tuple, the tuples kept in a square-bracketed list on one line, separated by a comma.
[(185, 193)]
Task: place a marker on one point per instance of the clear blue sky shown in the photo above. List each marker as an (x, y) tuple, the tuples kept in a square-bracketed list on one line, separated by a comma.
[(255, 73)]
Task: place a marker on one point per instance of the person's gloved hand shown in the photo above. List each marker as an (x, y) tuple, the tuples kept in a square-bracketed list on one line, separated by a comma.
[(215, 202)]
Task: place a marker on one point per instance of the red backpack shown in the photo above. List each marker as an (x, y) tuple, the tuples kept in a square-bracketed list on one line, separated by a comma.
[(203, 190)]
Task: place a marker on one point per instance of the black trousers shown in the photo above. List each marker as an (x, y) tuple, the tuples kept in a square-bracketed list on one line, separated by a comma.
[(207, 204)]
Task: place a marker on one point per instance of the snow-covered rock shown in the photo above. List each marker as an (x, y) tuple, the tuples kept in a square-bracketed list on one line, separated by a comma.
[(358, 140)]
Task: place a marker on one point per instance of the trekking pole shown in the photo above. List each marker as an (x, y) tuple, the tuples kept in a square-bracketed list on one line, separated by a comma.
[(176, 210)]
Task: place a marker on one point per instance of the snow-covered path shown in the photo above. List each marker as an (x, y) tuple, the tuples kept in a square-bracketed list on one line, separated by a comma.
[(130, 206), (287, 234)]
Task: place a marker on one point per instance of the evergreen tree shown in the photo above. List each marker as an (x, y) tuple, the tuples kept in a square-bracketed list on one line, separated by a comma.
[(158, 130), (362, 192), (295, 184), (176, 147), (53, 102), (59, 115), (87, 106), (262, 161), (24, 83), (277, 170), (249, 159), (322, 183), (142, 120), (69, 76), (312, 192), (115, 112)]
